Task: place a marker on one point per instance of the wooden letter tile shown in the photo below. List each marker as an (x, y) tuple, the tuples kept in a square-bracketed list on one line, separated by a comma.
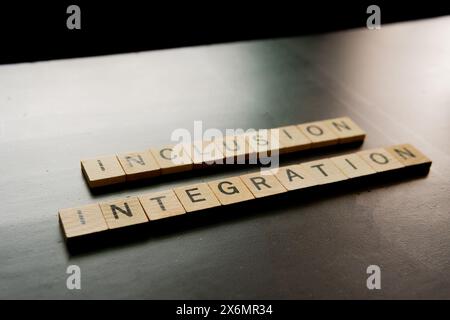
[(319, 133), (212, 154), (292, 139), (80, 221), (204, 153), (163, 204), (123, 212), (324, 171), (352, 165), (234, 148), (195, 152), (102, 171), (230, 190), (263, 142), (196, 197), (346, 129), (380, 159), (294, 177), (408, 155), (139, 165), (172, 159), (262, 185)]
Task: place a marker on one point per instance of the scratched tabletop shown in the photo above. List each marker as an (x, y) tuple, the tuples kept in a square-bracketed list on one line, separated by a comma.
[(394, 82)]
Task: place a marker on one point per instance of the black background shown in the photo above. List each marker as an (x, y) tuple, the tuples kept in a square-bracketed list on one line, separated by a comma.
[(36, 30)]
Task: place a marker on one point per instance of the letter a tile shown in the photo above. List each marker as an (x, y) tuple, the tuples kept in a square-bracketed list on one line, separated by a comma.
[(324, 171), (294, 177)]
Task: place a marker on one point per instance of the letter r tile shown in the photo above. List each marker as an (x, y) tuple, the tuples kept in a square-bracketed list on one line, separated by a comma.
[(262, 185)]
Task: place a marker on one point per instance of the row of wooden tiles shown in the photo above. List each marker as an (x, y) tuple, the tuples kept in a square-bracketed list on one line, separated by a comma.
[(158, 205), (107, 170)]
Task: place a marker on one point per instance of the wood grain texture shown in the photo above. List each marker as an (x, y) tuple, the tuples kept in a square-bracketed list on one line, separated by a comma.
[(324, 171), (292, 139), (380, 159), (81, 221), (346, 129), (162, 204), (172, 159), (294, 177), (352, 165), (319, 133), (262, 185), (263, 143), (102, 171), (139, 165), (230, 190), (196, 197), (234, 148), (408, 155), (204, 153), (123, 212)]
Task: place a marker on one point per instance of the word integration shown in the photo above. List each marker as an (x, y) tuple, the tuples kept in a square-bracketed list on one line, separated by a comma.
[(153, 206)]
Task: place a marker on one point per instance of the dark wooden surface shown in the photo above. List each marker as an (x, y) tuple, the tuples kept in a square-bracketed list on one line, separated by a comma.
[(394, 82)]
